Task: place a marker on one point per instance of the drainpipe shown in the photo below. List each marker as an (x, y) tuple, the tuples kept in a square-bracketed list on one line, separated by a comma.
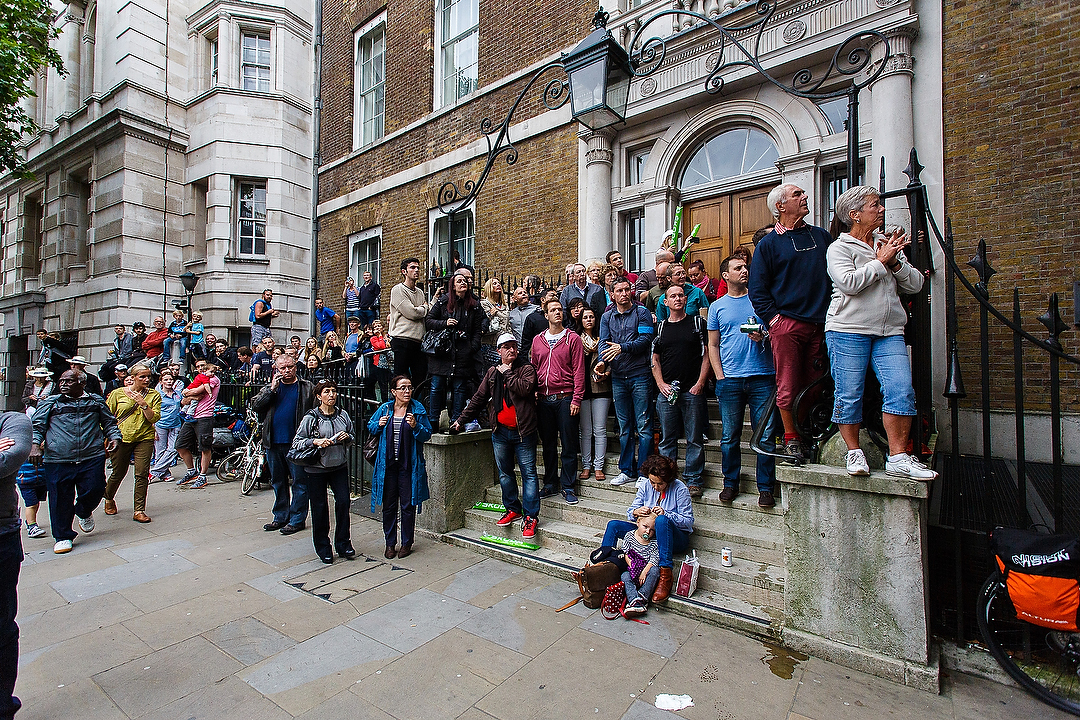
[(316, 161)]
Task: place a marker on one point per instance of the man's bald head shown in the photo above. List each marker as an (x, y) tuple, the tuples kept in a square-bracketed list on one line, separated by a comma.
[(664, 255)]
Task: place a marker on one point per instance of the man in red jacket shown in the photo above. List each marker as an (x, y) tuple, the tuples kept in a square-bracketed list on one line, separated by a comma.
[(154, 344), (559, 359)]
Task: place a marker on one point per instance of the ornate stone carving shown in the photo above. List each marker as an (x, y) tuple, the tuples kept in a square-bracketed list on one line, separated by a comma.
[(599, 155), (886, 3), (712, 61), (795, 30), (648, 87), (599, 147)]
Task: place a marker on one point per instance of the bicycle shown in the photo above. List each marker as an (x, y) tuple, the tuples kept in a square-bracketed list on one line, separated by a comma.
[(1044, 661), (247, 462)]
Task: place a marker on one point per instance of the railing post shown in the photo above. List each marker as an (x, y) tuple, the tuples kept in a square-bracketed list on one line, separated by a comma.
[(954, 391), (1055, 326), (982, 267), (1018, 399)]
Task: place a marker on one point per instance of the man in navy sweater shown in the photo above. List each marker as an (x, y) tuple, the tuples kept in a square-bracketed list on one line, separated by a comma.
[(790, 290)]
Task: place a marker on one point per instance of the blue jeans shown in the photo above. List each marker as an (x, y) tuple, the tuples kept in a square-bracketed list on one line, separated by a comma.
[(849, 354), (685, 417), (631, 397), (556, 422), (292, 511), (670, 539), (63, 480), (458, 387), (181, 341), (508, 444), (733, 394), (11, 557), (646, 588), (367, 316)]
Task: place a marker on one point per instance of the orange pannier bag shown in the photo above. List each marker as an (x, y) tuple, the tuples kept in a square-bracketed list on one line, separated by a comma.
[(1041, 576)]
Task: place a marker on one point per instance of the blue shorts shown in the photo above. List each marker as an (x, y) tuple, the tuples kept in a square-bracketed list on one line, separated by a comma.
[(849, 355)]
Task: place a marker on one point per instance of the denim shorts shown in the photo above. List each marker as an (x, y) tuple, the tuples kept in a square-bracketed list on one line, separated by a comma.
[(849, 354)]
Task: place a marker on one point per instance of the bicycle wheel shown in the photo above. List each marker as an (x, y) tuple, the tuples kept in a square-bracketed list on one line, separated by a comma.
[(1045, 662), (228, 470), (252, 469)]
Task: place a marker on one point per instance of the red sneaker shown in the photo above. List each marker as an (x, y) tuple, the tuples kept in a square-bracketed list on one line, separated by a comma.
[(508, 518), (528, 528)]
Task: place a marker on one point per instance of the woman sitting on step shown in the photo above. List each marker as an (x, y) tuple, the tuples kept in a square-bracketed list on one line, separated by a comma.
[(668, 499)]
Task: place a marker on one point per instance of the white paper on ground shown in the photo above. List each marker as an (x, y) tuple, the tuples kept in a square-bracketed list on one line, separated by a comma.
[(665, 701)]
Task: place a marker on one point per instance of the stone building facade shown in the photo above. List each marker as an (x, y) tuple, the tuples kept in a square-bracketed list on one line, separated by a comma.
[(180, 139)]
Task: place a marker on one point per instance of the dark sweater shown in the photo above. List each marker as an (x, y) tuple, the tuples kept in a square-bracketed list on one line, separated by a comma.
[(14, 425), (790, 282)]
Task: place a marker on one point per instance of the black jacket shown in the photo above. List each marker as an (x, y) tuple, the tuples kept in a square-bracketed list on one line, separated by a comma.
[(461, 361), (266, 400)]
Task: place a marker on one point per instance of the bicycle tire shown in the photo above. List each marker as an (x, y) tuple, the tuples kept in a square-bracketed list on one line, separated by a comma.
[(1044, 662), (252, 469), (227, 470)]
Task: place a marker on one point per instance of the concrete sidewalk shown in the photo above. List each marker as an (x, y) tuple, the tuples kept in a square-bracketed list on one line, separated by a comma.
[(202, 614)]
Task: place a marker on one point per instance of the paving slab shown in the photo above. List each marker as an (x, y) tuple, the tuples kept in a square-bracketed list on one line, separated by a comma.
[(328, 653), (159, 548), (345, 704), (74, 620), (306, 617), (153, 681), (345, 579), (470, 582), (663, 634), (409, 622), (286, 552), (58, 702), (442, 679), (555, 595), (179, 622), (644, 711), (249, 640), (978, 699), (520, 625), (67, 662), (229, 699), (157, 594), (120, 577), (275, 586), (827, 691), (83, 545)]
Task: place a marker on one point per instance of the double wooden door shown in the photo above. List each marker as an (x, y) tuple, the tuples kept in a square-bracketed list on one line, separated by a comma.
[(727, 221)]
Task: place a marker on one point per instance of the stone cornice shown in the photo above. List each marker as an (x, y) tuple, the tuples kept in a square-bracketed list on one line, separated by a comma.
[(201, 20)]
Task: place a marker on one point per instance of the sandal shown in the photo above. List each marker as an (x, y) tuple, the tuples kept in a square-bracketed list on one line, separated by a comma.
[(599, 475)]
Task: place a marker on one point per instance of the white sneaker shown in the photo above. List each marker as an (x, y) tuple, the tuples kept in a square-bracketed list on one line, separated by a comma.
[(642, 481), (620, 479), (62, 546), (903, 465), (87, 524), (856, 463)]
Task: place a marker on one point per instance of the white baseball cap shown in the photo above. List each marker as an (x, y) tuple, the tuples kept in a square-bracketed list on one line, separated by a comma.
[(505, 338)]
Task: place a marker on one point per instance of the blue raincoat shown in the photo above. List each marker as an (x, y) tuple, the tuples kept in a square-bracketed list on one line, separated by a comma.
[(421, 434)]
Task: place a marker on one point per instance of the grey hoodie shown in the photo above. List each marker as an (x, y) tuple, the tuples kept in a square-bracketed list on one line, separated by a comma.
[(866, 294)]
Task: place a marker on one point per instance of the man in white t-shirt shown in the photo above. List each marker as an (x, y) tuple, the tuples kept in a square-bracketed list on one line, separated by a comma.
[(745, 374)]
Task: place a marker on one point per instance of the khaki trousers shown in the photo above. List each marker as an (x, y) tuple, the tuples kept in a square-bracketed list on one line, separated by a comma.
[(142, 452)]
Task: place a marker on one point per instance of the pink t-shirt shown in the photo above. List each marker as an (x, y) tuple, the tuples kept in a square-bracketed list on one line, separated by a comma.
[(205, 406)]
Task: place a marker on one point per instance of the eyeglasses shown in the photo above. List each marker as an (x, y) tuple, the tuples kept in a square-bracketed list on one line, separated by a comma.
[(803, 248), (404, 388)]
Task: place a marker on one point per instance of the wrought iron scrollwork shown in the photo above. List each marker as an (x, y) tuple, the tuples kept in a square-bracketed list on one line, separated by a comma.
[(452, 198), (850, 59)]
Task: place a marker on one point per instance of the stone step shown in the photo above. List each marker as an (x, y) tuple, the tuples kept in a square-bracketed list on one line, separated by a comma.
[(712, 474), (756, 620)]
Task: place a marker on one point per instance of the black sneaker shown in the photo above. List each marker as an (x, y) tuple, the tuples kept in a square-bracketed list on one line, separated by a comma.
[(290, 529), (548, 491), (275, 525), (794, 447), (765, 500), (570, 497)]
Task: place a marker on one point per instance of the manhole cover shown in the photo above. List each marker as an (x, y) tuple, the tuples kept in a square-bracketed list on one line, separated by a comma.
[(343, 580)]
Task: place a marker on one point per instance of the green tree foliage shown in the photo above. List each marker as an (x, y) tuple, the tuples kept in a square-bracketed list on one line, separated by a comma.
[(25, 31)]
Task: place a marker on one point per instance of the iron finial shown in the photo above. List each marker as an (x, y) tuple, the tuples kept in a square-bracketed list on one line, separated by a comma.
[(600, 19), (1053, 322), (954, 378), (982, 267), (914, 168)]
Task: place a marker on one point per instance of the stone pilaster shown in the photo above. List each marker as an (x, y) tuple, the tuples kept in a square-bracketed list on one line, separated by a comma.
[(596, 241), (894, 131)]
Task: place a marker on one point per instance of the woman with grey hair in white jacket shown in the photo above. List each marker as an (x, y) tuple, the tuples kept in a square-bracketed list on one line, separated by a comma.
[(865, 326)]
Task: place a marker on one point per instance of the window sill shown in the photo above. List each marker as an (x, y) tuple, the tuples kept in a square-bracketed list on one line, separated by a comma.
[(247, 260)]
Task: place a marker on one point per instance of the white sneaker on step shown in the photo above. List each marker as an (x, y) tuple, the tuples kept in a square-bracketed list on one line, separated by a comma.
[(903, 465), (856, 463), (620, 479)]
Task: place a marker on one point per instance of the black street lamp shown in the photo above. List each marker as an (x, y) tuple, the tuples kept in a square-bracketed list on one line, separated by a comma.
[(850, 60), (190, 280)]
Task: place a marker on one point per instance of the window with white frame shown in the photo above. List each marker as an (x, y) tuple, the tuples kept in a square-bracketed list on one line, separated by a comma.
[(255, 61), (251, 217), (836, 112), (458, 26), (635, 165), (633, 240), (213, 62), (369, 80), (453, 238), (364, 249), (834, 183)]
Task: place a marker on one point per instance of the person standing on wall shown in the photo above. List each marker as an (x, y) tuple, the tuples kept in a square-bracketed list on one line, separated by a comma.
[(369, 300), (261, 315)]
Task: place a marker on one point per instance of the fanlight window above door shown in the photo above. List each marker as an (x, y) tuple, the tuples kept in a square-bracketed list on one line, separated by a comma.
[(731, 153)]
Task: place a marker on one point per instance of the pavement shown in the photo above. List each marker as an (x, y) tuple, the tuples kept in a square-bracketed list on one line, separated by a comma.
[(202, 614)]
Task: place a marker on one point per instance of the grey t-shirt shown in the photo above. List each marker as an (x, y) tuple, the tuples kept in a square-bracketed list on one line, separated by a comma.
[(16, 426)]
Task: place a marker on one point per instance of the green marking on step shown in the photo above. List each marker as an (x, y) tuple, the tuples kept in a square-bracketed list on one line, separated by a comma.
[(510, 542), (490, 507)]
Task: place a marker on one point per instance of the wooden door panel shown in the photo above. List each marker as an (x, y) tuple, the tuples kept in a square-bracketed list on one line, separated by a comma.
[(711, 258), (714, 215), (750, 211)]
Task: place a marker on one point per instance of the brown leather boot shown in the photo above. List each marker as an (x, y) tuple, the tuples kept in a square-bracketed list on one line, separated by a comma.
[(663, 586)]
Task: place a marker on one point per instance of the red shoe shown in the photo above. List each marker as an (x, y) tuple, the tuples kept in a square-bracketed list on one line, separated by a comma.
[(508, 518), (528, 528)]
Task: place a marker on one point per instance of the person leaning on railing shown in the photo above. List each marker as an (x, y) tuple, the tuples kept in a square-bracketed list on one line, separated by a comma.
[(865, 325)]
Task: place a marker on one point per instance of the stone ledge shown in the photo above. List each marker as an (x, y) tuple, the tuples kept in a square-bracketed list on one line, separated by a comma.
[(902, 672), (835, 478), (460, 438)]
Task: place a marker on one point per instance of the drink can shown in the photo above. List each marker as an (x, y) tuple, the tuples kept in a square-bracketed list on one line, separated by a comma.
[(725, 557)]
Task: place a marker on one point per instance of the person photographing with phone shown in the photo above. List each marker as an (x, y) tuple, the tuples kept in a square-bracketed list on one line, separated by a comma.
[(330, 429), (400, 476)]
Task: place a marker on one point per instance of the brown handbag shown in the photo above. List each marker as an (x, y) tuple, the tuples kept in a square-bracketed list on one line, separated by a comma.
[(593, 582)]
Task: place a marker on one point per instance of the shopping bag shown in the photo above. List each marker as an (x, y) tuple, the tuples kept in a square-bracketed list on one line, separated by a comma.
[(688, 571)]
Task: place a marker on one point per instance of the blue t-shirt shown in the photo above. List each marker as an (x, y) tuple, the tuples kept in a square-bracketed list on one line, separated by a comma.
[(352, 343), (197, 333), (325, 316), (739, 355), (285, 413)]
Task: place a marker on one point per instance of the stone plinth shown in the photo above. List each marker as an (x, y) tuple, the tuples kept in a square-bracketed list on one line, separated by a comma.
[(460, 469), (856, 590)]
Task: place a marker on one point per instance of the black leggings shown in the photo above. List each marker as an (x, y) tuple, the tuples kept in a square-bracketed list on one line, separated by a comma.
[(397, 490)]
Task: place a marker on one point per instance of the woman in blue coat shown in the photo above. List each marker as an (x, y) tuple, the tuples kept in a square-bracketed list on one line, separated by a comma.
[(400, 477)]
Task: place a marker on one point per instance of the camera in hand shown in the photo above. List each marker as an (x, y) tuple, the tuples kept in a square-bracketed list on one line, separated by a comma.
[(750, 326)]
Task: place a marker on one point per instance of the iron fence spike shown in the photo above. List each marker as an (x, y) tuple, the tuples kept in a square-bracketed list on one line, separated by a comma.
[(1053, 322), (981, 264), (914, 168)]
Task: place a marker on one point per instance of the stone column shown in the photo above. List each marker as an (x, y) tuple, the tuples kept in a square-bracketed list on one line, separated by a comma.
[(894, 132), (228, 52), (596, 241)]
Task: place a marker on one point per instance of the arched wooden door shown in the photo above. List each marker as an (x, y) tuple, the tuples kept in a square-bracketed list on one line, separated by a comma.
[(727, 221)]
